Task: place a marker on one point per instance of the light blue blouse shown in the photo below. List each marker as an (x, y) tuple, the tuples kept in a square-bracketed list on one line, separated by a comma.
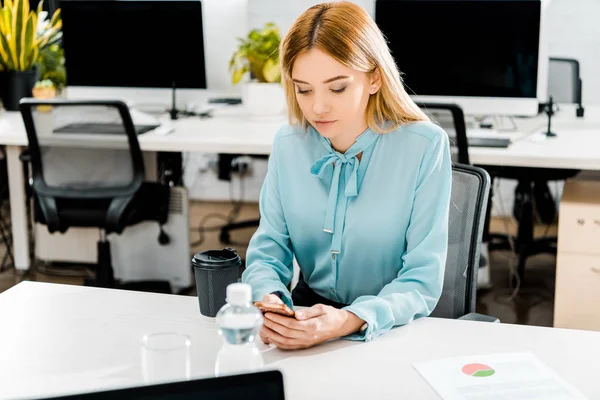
[(371, 233)]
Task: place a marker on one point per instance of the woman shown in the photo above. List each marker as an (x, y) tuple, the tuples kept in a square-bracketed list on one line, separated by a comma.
[(357, 189)]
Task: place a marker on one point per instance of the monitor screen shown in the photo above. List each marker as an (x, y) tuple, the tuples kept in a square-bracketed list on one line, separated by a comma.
[(469, 48), (134, 43)]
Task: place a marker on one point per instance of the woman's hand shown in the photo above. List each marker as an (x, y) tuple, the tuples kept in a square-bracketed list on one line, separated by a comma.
[(269, 298), (311, 326)]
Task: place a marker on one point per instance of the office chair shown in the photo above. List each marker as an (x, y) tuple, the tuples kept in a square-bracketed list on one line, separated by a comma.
[(227, 164), (71, 188), (459, 139), (468, 207), (565, 83), (5, 231), (533, 200)]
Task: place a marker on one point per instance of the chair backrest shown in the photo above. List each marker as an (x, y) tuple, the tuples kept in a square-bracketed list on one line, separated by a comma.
[(564, 81), (458, 138), (81, 150), (71, 148), (468, 207)]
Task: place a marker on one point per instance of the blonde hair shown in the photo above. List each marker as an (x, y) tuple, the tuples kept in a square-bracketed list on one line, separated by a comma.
[(348, 34)]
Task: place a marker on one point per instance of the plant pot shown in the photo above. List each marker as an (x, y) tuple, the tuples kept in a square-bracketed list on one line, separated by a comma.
[(263, 99), (14, 85), (44, 93)]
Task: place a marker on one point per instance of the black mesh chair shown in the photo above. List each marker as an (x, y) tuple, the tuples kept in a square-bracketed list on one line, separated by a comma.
[(458, 138), (84, 175), (533, 200), (468, 205), (564, 82)]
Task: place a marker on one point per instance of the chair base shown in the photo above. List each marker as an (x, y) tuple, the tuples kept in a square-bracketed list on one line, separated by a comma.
[(525, 244), (105, 275)]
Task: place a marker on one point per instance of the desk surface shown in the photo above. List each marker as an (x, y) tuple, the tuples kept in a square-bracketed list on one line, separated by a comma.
[(64, 339), (232, 131)]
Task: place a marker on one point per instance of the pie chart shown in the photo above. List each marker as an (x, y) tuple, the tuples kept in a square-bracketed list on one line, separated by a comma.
[(478, 370)]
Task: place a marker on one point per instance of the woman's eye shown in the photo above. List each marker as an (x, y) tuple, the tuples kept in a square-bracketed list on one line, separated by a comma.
[(300, 91), (340, 90)]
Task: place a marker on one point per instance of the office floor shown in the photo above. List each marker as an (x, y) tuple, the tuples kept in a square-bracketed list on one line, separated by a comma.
[(532, 304)]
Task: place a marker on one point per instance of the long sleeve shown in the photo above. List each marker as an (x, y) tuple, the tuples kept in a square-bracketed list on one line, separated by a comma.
[(269, 258), (418, 286)]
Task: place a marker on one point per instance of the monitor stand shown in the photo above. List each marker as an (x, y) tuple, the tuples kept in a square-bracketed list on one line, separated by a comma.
[(173, 112), (549, 109)]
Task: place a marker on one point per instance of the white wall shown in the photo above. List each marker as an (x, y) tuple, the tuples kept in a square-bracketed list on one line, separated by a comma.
[(573, 32), (224, 21), (284, 12)]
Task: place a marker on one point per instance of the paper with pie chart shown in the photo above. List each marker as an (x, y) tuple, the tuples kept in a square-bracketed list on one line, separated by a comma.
[(518, 376)]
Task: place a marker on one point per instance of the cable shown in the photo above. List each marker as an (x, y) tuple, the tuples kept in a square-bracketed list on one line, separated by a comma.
[(518, 292), (228, 219), (511, 260)]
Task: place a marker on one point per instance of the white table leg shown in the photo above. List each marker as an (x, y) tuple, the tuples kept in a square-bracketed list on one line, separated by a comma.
[(18, 211)]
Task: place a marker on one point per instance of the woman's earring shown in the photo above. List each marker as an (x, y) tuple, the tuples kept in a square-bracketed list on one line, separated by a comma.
[(373, 89)]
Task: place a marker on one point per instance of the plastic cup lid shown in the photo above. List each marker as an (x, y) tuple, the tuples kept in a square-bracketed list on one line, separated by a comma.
[(217, 258)]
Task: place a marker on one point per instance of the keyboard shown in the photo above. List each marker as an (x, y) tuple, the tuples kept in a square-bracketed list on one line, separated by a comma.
[(108, 128), (488, 142), (479, 141)]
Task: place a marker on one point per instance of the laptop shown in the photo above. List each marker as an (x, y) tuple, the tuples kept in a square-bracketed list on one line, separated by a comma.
[(265, 385)]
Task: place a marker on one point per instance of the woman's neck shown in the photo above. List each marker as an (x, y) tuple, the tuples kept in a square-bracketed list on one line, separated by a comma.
[(343, 142)]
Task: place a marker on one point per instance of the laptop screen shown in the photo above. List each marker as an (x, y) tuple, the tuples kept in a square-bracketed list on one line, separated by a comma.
[(267, 385)]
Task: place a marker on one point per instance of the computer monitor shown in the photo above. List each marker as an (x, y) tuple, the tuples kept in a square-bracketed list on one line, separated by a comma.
[(487, 56), (139, 44)]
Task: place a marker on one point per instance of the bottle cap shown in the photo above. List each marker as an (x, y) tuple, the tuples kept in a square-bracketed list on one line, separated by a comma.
[(239, 294)]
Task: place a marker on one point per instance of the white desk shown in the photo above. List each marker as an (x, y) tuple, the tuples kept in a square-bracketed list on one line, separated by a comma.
[(231, 131), (59, 339)]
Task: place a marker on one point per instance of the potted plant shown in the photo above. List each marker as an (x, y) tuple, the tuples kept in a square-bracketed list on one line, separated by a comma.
[(23, 35), (51, 63), (258, 55)]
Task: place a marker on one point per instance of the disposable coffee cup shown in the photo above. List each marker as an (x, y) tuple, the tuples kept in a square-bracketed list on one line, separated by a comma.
[(214, 270)]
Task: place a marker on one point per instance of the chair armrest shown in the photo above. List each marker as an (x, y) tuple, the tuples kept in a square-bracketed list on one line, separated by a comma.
[(479, 317)]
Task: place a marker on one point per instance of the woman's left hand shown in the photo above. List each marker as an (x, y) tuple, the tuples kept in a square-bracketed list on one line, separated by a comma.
[(311, 326)]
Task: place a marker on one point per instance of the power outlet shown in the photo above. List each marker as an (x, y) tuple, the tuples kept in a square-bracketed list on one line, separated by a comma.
[(241, 165)]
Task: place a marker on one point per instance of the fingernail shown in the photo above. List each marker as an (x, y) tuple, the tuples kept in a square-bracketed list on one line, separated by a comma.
[(300, 314)]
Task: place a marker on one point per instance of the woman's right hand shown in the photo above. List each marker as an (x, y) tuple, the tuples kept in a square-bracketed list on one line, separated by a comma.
[(268, 298)]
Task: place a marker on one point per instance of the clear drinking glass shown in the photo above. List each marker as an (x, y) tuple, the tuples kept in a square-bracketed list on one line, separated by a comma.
[(166, 357)]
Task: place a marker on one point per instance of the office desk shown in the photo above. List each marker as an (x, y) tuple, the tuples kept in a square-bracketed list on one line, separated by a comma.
[(65, 339), (231, 131)]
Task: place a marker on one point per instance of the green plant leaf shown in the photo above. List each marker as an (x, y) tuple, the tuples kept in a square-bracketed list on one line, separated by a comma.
[(46, 38), (5, 58), (40, 8), (238, 74), (56, 19), (271, 70), (254, 51), (7, 24), (27, 43), (33, 57), (15, 28)]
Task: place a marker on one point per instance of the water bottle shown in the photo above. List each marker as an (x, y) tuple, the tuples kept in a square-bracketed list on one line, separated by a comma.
[(239, 324)]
